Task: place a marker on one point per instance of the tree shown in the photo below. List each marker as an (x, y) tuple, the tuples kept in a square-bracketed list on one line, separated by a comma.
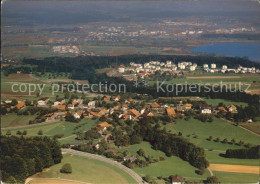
[(141, 152), (201, 171), (66, 168), (14, 102), (18, 132), (8, 133), (40, 132), (11, 179), (212, 179), (210, 138), (70, 117), (24, 132), (147, 178)]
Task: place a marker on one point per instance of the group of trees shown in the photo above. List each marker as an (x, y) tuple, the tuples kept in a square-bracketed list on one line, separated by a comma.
[(250, 153), (22, 157), (166, 142)]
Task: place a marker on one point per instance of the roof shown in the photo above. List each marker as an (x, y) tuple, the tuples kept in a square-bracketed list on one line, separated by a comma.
[(48, 115), (79, 113), (134, 112), (205, 106), (188, 105), (131, 159), (155, 105), (105, 99), (61, 107), (74, 103), (20, 105), (124, 105), (232, 106), (130, 100), (104, 124), (222, 109), (92, 113), (176, 179), (170, 111)]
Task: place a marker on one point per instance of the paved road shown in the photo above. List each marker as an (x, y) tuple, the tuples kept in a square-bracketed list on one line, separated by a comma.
[(98, 157)]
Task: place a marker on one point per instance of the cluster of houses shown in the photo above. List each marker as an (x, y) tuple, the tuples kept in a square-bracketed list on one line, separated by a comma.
[(145, 70), (224, 69), (154, 66), (124, 111), (149, 68)]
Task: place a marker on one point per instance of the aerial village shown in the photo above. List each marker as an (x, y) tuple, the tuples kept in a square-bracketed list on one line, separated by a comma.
[(123, 108), (136, 70)]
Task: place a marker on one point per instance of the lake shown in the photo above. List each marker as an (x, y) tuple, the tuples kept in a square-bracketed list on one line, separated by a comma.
[(249, 50)]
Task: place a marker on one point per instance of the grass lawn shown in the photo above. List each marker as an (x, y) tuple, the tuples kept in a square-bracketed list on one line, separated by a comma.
[(170, 166), (87, 170), (62, 127), (213, 157), (229, 177), (12, 119), (215, 102), (218, 128)]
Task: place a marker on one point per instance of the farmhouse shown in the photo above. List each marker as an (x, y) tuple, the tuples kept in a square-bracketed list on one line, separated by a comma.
[(155, 105), (171, 112), (77, 115), (134, 112), (43, 101), (101, 127), (91, 104), (205, 108), (20, 105), (222, 110), (129, 158), (188, 106), (232, 108), (61, 107), (177, 180), (106, 99)]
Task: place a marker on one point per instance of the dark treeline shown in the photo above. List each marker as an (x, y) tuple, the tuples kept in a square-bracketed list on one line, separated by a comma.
[(22, 157), (250, 153), (83, 68), (66, 64), (168, 143)]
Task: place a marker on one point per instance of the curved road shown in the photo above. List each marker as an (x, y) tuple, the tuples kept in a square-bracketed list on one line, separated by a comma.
[(112, 162)]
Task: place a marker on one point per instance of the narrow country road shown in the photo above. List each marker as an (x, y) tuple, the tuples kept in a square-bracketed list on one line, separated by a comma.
[(112, 162), (210, 171)]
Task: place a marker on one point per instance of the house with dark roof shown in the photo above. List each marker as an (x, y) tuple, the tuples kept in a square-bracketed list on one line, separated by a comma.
[(205, 109), (177, 180)]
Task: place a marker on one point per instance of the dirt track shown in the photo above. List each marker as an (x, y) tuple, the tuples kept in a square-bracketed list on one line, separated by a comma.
[(235, 168)]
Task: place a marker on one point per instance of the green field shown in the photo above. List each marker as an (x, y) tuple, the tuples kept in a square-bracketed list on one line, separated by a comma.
[(228, 177), (62, 127), (208, 78), (218, 128), (214, 157), (13, 119), (170, 166), (87, 170), (215, 102)]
